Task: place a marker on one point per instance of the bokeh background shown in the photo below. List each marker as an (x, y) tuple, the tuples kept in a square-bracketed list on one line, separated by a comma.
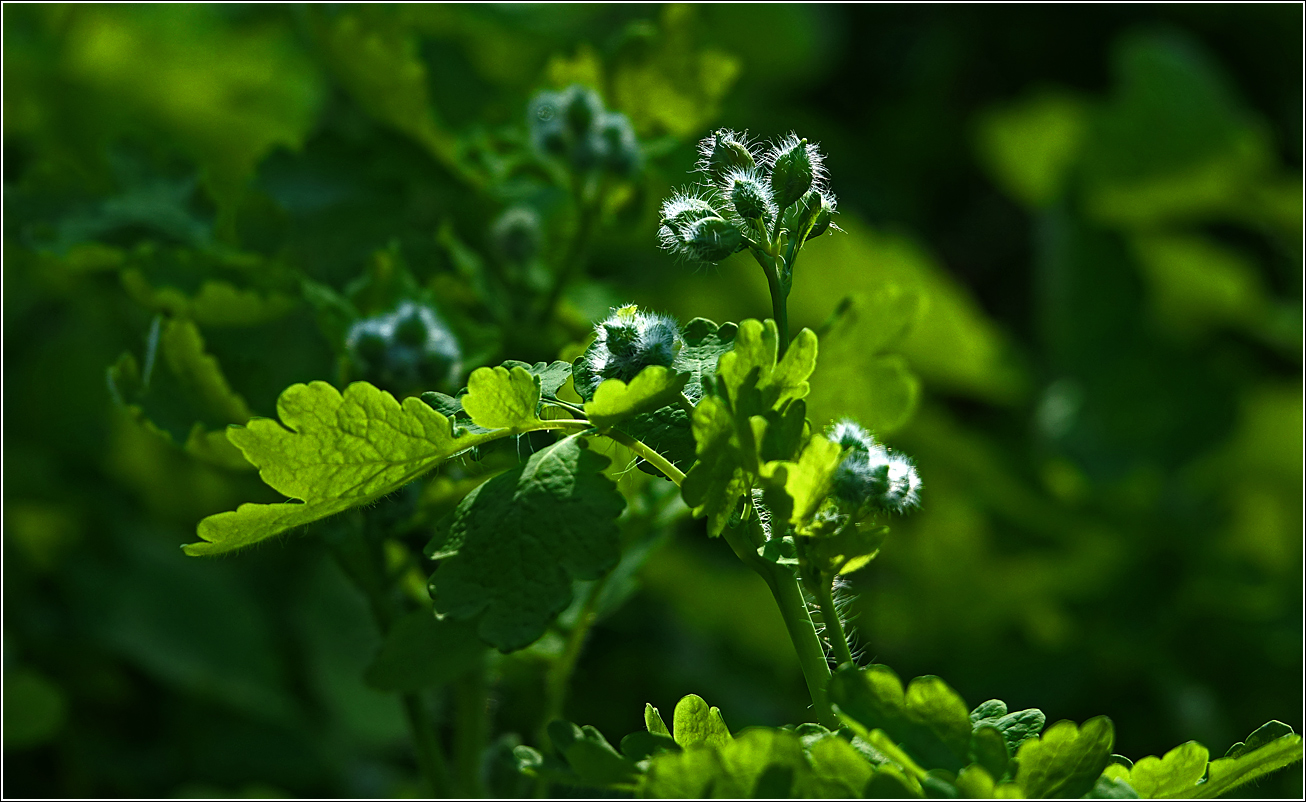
[(1089, 218)]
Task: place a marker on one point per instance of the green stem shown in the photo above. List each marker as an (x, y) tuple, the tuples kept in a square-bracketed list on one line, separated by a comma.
[(573, 258), (833, 626), (779, 306), (430, 757), (652, 457), (472, 726), (793, 609), (559, 676), (363, 563)]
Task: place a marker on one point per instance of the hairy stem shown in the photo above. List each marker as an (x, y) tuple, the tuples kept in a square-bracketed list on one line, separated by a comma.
[(833, 626), (793, 609), (652, 457)]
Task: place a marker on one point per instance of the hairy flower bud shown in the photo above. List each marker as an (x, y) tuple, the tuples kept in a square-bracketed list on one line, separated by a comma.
[(625, 343), (581, 108), (722, 152), (712, 239), (621, 154), (824, 219), (813, 213), (573, 125), (796, 167), (516, 235), (871, 476), (678, 214), (407, 349), (749, 195)]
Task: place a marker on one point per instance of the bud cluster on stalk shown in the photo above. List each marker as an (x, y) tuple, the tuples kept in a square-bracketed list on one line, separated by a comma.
[(573, 126), (768, 197), (871, 477)]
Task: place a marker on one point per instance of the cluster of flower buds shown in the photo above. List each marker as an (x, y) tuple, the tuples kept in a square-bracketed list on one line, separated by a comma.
[(407, 349), (871, 477), (752, 196), (625, 343), (516, 235), (572, 125)]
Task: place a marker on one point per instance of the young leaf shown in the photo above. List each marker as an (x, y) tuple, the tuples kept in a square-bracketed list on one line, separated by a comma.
[(593, 760), (849, 550), (989, 749), (756, 347), (502, 398), (929, 719), (760, 762), (183, 350), (705, 342), (804, 483), (614, 401), (730, 423), (1272, 747), (421, 651), (1066, 760), (330, 452), (713, 487), (553, 375), (1172, 775), (695, 723), (653, 721), (515, 544), (1015, 727), (833, 758)]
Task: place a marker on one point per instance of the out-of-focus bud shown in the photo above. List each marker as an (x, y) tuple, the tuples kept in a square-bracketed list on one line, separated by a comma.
[(516, 235)]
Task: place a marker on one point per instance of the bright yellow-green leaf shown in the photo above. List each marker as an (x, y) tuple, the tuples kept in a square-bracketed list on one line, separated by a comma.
[(502, 398), (695, 723), (1066, 760), (1172, 775), (806, 482), (652, 388), (330, 452)]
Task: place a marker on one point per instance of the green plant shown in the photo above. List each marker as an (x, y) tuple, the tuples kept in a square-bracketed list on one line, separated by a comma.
[(716, 410)]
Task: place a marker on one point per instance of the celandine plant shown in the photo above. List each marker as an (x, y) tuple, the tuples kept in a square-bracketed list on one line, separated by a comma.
[(718, 410)]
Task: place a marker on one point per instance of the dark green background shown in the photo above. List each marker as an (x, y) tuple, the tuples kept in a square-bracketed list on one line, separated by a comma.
[(1109, 430)]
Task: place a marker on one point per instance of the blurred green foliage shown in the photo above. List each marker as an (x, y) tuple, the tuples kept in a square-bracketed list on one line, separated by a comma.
[(1072, 265)]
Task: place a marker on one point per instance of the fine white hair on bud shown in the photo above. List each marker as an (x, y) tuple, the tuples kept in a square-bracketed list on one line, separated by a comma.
[(796, 166), (724, 150), (871, 475), (748, 194), (625, 343), (695, 230)]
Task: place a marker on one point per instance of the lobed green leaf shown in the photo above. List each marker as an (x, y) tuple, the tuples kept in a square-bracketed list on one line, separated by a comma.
[(516, 542), (928, 719), (615, 401), (502, 398), (330, 452), (695, 723), (1065, 761)]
